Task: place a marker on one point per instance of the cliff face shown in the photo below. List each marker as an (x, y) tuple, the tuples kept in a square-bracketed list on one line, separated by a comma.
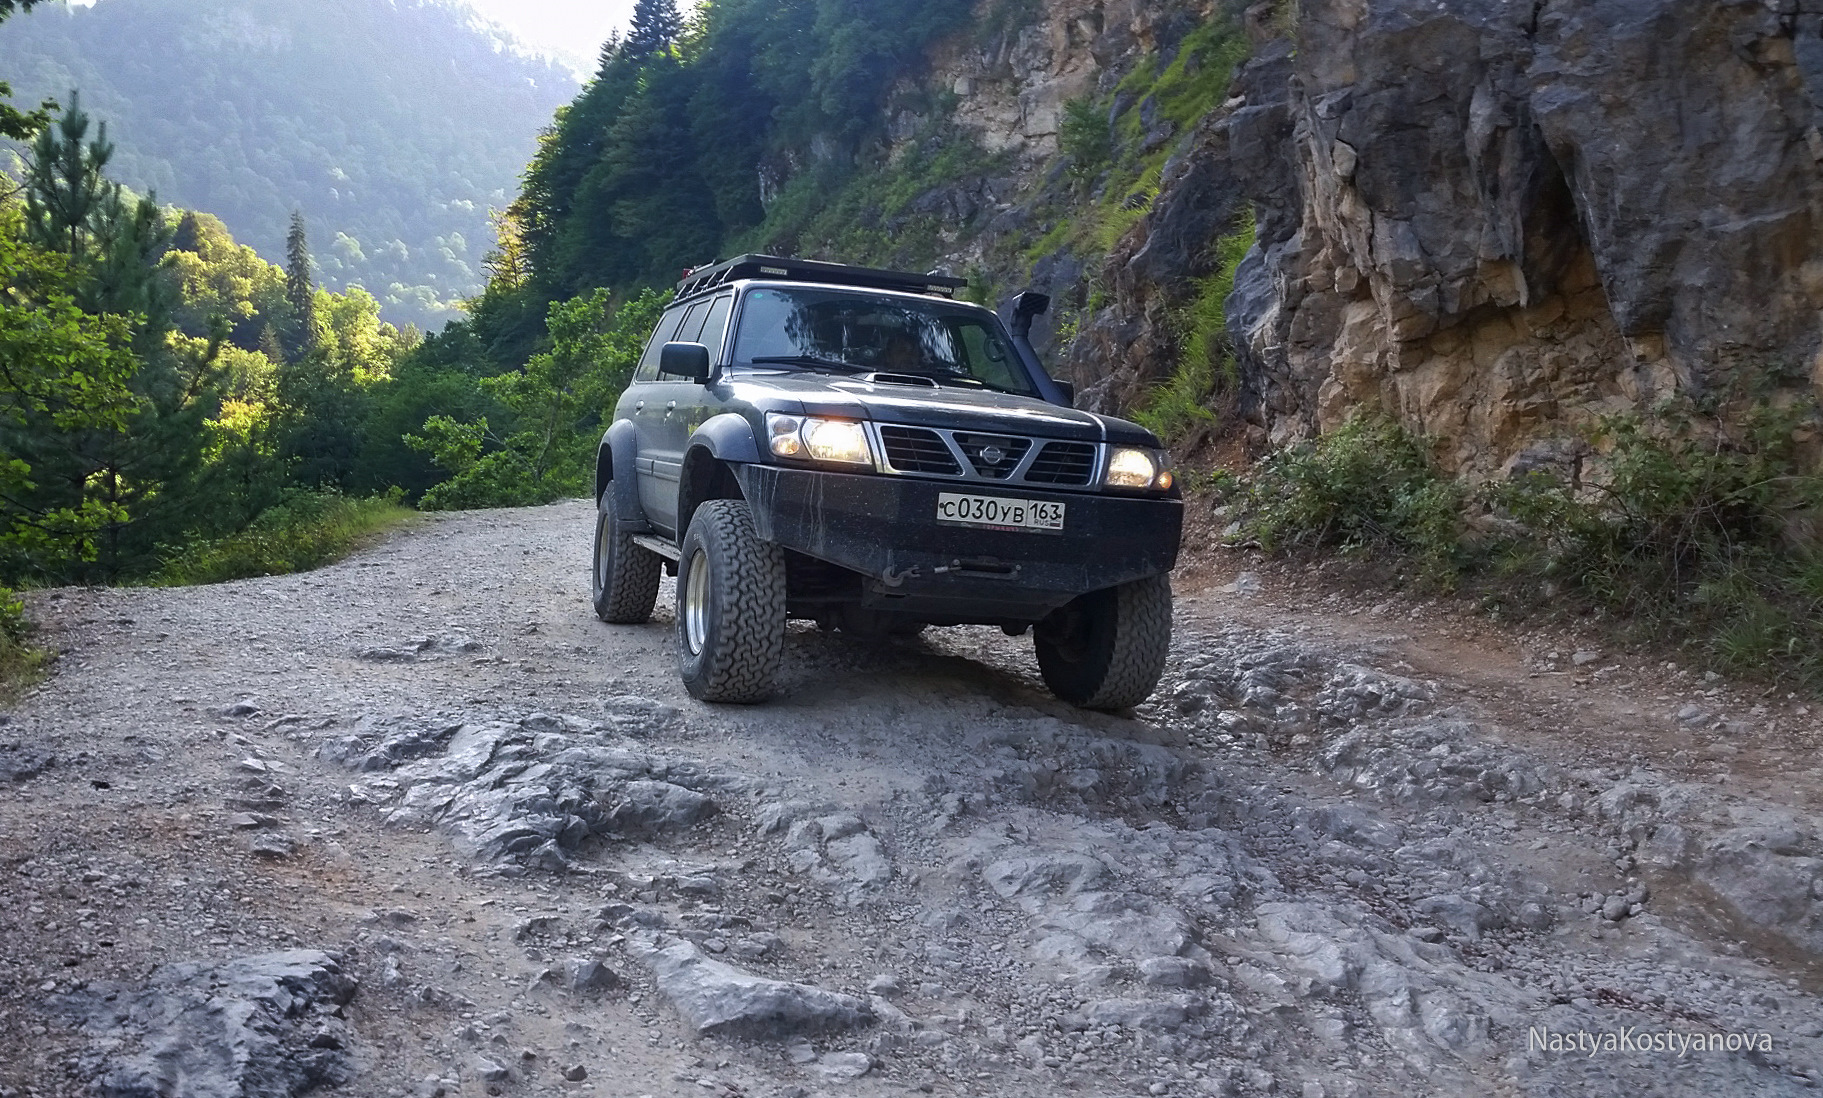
[(1495, 219), (1511, 216)]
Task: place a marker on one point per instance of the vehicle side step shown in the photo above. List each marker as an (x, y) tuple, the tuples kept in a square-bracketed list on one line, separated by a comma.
[(658, 545)]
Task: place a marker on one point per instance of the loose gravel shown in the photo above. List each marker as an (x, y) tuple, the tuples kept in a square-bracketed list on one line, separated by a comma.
[(419, 824)]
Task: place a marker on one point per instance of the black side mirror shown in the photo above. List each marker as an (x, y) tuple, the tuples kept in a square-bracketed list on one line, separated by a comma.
[(1026, 307), (687, 360), (1068, 389)]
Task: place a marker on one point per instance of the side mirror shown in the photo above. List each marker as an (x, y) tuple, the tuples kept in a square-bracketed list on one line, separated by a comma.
[(1027, 306), (1068, 389), (686, 360)]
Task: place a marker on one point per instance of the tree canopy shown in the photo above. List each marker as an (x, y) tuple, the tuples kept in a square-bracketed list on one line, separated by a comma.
[(393, 127)]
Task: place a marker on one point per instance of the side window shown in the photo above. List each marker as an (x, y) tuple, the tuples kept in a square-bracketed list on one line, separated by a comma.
[(715, 326), (692, 326), (648, 362)]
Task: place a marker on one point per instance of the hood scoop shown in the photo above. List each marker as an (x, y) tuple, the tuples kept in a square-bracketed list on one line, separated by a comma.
[(901, 379)]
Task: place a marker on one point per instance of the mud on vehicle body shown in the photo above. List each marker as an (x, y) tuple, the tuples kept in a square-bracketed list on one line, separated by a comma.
[(854, 447)]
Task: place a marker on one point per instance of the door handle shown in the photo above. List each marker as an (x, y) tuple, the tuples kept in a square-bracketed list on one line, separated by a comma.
[(640, 407), (671, 407)]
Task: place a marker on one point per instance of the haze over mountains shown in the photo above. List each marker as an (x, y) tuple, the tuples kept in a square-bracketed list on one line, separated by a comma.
[(394, 125)]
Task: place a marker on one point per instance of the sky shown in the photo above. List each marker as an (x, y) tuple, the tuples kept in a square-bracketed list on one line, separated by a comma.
[(571, 31)]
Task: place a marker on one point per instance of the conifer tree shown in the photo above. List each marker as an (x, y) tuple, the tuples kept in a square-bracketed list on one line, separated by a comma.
[(300, 288), (656, 25), (64, 185)]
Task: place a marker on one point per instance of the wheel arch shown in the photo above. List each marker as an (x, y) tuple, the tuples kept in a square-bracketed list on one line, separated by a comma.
[(617, 454), (717, 446)]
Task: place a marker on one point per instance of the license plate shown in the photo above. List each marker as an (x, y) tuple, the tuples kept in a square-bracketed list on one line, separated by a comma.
[(999, 513)]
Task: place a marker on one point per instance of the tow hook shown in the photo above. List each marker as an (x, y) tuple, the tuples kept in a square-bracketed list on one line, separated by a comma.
[(897, 579)]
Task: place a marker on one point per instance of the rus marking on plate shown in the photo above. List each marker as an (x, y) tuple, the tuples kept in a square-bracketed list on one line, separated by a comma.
[(1000, 513)]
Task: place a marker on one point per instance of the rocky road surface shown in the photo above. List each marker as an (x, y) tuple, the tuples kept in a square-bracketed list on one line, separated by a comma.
[(418, 824)]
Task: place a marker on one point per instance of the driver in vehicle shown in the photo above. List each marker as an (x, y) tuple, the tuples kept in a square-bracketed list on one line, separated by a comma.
[(901, 354)]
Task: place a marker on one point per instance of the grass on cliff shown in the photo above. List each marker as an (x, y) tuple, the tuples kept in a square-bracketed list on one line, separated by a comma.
[(1179, 407), (1108, 147), (308, 530), (865, 216), (1680, 530)]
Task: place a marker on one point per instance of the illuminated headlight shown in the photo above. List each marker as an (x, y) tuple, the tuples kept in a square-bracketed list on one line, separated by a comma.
[(1130, 467), (839, 441)]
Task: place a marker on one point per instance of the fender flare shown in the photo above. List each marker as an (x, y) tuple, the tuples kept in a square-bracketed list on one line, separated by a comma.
[(727, 437), (616, 468), (722, 444)]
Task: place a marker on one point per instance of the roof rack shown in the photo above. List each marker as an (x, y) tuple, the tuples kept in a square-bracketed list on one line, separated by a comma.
[(704, 279)]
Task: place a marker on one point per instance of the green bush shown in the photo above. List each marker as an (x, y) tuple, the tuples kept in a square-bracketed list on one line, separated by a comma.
[(307, 530), (1680, 529), (1085, 135), (21, 665), (1367, 486), (1687, 527)]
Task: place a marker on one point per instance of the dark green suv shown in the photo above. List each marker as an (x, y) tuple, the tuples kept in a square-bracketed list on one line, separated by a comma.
[(816, 441)]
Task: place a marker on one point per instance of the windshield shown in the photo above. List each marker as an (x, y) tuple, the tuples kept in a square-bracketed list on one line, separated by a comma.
[(866, 333)]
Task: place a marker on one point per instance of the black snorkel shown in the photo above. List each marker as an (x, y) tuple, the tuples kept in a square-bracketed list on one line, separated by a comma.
[(1027, 307)]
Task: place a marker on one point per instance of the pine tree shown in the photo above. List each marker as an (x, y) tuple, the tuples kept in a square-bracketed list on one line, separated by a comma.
[(64, 186), (656, 25), (143, 473), (300, 289)]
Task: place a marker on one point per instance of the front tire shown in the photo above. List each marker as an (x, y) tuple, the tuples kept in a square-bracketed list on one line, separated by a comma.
[(626, 575), (1106, 649), (730, 606)]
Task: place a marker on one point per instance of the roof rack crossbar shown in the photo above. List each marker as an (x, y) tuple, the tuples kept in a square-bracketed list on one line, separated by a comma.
[(713, 277)]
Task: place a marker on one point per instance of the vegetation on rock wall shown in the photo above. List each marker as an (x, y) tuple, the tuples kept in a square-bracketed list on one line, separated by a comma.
[(1681, 527)]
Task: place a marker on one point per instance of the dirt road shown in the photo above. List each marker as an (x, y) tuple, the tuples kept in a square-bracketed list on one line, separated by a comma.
[(418, 824)]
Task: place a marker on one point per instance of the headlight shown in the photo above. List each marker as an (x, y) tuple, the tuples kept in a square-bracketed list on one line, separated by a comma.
[(1130, 467), (840, 441)]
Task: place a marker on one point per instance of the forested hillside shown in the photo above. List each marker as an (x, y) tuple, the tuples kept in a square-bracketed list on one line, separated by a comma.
[(394, 126)]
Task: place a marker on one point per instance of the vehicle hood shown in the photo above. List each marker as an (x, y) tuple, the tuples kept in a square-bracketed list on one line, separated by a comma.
[(952, 408)]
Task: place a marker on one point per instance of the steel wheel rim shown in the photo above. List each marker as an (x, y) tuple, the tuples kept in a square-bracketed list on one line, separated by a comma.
[(602, 560), (696, 604)]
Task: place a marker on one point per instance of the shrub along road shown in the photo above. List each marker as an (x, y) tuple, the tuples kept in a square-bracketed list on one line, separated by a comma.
[(417, 823)]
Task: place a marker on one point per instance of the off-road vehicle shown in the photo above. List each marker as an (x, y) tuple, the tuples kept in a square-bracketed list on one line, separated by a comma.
[(806, 440)]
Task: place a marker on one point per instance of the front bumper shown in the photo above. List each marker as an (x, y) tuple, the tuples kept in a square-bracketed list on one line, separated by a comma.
[(885, 528)]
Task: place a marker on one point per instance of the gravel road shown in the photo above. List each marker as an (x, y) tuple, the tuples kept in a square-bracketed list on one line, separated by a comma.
[(418, 824)]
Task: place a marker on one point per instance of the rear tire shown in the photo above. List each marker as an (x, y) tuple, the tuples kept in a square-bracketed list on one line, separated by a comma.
[(1106, 649), (730, 606), (626, 575)]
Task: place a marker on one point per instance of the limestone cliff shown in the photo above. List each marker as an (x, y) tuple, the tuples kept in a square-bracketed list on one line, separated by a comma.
[(1498, 219), (1495, 219)]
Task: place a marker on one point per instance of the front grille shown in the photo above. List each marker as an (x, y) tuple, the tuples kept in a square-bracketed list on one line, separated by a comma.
[(1063, 463), (916, 450), (993, 456)]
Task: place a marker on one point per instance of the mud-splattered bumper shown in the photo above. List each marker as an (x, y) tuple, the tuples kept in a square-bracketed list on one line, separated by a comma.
[(886, 529)]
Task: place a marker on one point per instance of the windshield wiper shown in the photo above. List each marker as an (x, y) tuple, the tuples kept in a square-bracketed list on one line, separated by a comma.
[(808, 362)]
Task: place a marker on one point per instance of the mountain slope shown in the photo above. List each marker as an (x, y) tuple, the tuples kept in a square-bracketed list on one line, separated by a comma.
[(394, 125)]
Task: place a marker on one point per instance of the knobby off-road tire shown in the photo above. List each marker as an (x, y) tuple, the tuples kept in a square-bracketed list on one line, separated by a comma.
[(626, 575), (1106, 650), (730, 606)]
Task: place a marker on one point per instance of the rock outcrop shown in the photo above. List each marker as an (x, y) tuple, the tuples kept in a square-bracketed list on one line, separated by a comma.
[(1498, 220), (1510, 217)]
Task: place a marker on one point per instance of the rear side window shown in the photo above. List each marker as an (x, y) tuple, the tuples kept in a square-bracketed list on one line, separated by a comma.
[(667, 327), (715, 326)]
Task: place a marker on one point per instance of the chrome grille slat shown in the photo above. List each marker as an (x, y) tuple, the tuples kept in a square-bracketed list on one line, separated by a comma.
[(959, 456), (918, 450), (1063, 463)]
